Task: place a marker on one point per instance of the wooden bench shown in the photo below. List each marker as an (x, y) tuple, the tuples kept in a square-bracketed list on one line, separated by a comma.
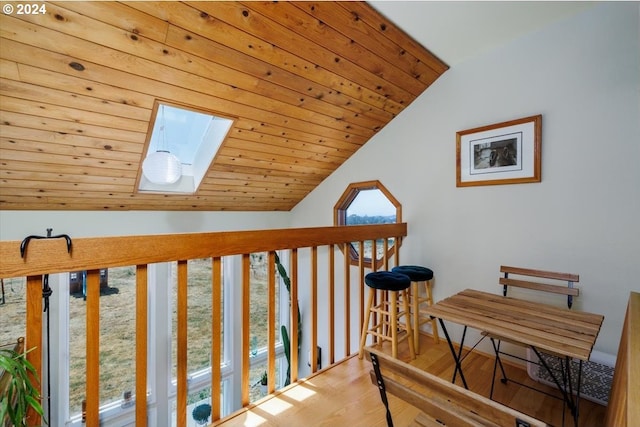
[(442, 403)]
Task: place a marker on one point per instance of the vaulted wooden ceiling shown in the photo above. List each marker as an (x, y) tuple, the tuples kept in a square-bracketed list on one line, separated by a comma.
[(308, 83)]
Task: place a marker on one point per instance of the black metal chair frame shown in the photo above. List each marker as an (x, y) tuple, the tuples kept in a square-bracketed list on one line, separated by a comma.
[(561, 377)]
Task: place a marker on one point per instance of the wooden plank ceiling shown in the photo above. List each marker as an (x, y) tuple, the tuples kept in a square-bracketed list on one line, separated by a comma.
[(307, 82)]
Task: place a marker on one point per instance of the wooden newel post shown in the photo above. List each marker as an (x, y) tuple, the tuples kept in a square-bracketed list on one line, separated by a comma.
[(33, 344)]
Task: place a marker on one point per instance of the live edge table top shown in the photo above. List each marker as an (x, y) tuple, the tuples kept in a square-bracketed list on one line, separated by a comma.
[(559, 330)]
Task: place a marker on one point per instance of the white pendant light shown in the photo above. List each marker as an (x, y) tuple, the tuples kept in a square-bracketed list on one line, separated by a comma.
[(162, 167)]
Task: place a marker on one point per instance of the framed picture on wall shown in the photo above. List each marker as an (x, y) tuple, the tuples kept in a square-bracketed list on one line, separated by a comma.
[(502, 153)]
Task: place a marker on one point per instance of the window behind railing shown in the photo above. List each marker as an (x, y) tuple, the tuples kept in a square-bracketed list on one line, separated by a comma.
[(12, 310)]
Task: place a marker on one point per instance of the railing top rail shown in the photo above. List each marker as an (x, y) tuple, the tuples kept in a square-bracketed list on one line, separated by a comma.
[(50, 255)]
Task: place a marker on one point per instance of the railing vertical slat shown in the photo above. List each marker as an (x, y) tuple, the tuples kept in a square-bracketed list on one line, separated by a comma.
[(93, 348), (216, 333), (181, 353), (293, 276), (385, 250), (314, 308), (246, 324), (141, 345), (271, 321), (34, 335), (374, 255), (362, 286), (331, 296), (347, 300)]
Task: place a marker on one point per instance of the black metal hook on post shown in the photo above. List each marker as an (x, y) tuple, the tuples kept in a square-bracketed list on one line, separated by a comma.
[(26, 240)]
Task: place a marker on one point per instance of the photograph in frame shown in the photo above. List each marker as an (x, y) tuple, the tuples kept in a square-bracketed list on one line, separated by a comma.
[(502, 153)]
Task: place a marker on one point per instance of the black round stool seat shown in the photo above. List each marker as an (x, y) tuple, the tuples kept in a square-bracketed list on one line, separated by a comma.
[(415, 272), (387, 281)]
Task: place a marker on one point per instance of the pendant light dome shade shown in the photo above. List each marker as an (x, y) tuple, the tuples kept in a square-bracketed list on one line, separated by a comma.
[(162, 168)]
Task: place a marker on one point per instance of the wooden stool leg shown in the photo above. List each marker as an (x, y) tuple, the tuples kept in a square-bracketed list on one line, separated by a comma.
[(434, 324), (382, 300), (393, 313), (415, 313), (365, 324), (412, 351)]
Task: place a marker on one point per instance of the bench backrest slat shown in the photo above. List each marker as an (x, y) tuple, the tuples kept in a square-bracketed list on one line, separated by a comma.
[(556, 286), (442, 400), (568, 277), (544, 287), (444, 411)]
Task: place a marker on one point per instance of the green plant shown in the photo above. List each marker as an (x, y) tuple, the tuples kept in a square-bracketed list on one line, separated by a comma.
[(201, 413), (283, 329), (287, 352), (19, 393), (264, 379)]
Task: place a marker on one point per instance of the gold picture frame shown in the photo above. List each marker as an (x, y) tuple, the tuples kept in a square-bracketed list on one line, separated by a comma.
[(502, 153)]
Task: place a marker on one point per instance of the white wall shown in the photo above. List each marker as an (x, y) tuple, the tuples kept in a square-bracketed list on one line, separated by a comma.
[(16, 225), (583, 76)]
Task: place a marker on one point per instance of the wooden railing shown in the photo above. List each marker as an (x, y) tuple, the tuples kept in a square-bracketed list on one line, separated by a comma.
[(47, 256), (624, 402)]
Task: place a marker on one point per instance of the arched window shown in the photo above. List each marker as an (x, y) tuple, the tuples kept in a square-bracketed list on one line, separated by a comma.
[(368, 202)]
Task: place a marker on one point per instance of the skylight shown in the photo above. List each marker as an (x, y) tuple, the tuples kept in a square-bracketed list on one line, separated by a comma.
[(193, 137)]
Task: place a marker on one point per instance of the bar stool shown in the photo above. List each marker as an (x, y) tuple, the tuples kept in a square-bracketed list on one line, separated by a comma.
[(418, 275), (387, 326)]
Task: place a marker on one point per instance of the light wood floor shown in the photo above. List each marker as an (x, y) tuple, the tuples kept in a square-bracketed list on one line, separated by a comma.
[(344, 396)]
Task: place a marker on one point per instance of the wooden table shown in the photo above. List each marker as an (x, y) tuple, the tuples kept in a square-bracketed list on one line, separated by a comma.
[(541, 327)]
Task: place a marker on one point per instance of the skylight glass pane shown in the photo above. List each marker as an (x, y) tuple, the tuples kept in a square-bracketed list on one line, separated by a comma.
[(193, 137), (184, 131)]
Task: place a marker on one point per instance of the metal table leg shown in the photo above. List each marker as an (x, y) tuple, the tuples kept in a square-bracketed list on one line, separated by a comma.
[(456, 356), (572, 404)]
